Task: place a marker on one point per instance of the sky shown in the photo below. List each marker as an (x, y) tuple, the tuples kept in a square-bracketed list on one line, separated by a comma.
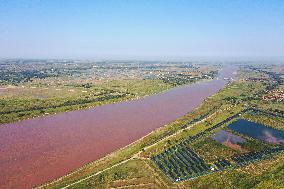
[(141, 29)]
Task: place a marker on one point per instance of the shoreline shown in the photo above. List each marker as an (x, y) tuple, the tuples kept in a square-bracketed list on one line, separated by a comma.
[(129, 137)]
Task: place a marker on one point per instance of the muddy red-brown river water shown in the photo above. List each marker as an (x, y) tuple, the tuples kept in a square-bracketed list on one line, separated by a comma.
[(35, 151)]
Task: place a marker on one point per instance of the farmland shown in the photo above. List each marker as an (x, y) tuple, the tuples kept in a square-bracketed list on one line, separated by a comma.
[(181, 163), (181, 154)]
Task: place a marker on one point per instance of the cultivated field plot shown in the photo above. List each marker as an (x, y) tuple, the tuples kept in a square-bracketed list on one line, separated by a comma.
[(222, 164), (250, 157), (180, 162)]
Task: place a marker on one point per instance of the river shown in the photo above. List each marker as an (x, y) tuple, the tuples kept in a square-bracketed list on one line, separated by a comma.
[(37, 150)]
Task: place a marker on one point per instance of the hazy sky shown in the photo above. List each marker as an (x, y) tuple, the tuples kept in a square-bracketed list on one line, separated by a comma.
[(141, 29)]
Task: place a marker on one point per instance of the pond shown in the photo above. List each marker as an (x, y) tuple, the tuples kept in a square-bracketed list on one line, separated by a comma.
[(225, 136), (257, 131)]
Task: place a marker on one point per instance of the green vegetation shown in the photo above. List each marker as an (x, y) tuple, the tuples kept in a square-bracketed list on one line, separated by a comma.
[(211, 151), (31, 94), (32, 88), (134, 173), (33, 102)]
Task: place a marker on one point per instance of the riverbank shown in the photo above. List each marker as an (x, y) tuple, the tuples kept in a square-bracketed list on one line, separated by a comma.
[(62, 139)]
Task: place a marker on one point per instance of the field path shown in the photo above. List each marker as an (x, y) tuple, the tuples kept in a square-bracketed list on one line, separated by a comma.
[(97, 173)]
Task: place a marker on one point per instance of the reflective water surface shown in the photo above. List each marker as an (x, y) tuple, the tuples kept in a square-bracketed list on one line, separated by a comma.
[(258, 131), (225, 136)]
